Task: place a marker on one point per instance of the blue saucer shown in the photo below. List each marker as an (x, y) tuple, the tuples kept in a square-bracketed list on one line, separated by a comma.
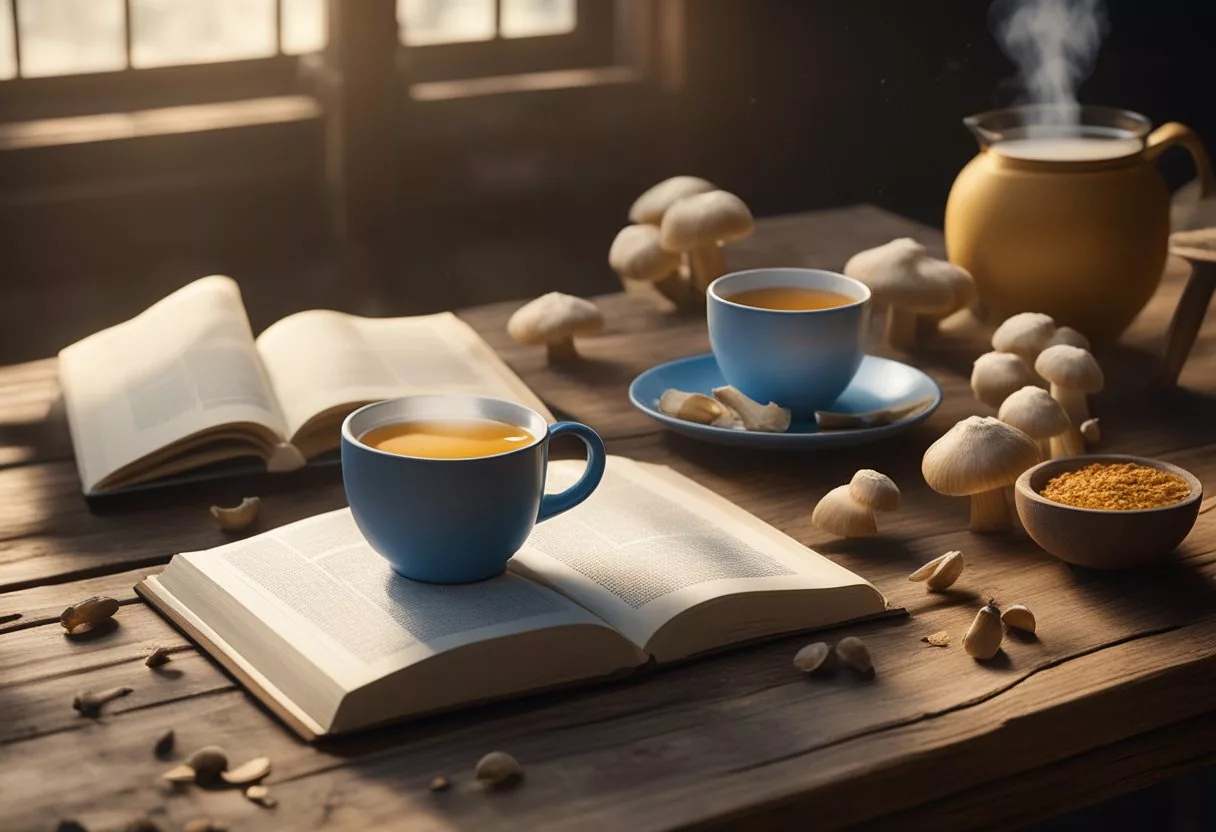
[(879, 383)]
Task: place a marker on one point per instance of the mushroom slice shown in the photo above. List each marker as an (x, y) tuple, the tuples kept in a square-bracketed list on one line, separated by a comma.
[(1036, 414), (698, 225), (1025, 335), (997, 375), (239, 517), (247, 773), (977, 458), (650, 207), (770, 418), (697, 407), (554, 320)]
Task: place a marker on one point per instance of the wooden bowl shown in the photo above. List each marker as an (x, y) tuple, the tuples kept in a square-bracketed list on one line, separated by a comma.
[(1103, 539)]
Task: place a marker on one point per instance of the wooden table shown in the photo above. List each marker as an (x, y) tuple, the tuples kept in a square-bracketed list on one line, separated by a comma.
[(1118, 691)]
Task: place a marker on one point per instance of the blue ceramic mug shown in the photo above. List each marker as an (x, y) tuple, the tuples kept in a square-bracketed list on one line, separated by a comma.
[(800, 359), (455, 521)]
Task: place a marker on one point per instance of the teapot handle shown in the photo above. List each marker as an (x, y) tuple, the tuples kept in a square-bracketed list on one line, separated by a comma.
[(1172, 133)]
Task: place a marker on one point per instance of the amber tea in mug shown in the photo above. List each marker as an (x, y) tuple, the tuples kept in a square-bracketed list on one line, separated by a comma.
[(448, 439), (790, 298)]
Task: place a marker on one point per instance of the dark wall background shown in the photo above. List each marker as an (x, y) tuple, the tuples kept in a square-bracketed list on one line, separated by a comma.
[(793, 104)]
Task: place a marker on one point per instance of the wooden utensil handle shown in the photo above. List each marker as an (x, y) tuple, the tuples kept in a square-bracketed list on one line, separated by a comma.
[(1188, 318)]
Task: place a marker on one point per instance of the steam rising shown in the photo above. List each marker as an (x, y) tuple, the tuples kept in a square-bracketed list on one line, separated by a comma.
[(1054, 43)]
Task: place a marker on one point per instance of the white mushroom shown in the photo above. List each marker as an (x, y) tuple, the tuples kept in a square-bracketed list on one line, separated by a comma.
[(1073, 374), (957, 278), (770, 418), (1068, 335), (1025, 335), (874, 490), (697, 225), (997, 375), (977, 458), (554, 320), (239, 517), (636, 255), (697, 407), (1091, 432), (893, 272), (839, 514), (650, 207), (1036, 414)]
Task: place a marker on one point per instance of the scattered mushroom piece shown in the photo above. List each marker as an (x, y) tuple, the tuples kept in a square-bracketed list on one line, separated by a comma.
[(1025, 335), (697, 407), (997, 375), (157, 657), (854, 653), (1068, 335), (813, 657), (874, 490), (554, 320), (247, 773), (239, 517), (983, 638), (650, 207), (1091, 432), (939, 639), (180, 773), (90, 704), (698, 225), (941, 572), (261, 796), (1073, 374), (1018, 617), (440, 784), (977, 458), (498, 768), (839, 514), (770, 418), (1035, 413), (636, 255), (90, 611), (164, 745), (207, 763), (893, 274)]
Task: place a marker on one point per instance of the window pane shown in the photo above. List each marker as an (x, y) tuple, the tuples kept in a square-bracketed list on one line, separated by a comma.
[(445, 21), (167, 32), (303, 26), (62, 37), (8, 61), (529, 18)]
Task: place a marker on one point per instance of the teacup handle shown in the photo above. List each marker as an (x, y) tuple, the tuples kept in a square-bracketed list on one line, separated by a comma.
[(552, 505), (1172, 133)]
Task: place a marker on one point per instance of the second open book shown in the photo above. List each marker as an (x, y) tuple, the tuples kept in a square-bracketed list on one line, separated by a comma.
[(652, 567)]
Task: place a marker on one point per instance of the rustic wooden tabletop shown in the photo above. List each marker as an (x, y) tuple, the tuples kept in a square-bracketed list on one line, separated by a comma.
[(1118, 690)]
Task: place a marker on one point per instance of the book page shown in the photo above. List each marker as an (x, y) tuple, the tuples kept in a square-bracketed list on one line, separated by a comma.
[(320, 586), (321, 361), (184, 365), (649, 545)]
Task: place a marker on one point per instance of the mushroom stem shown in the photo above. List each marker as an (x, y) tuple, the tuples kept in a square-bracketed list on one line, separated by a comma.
[(1068, 443), (901, 328), (562, 350), (707, 265), (1074, 403), (990, 512), (674, 287), (1044, 449)]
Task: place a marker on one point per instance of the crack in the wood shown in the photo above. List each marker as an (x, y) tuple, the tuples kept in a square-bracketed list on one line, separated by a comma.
[(961, 706), (98, 571)]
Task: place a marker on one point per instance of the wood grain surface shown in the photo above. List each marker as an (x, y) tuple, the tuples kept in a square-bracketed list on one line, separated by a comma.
[(1117, 691)]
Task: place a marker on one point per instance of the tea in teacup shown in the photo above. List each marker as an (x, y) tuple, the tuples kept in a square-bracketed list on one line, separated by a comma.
[(790, 298), (448, 439)]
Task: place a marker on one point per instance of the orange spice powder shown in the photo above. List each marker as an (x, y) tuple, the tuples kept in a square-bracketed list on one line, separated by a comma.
[(1121, 486)]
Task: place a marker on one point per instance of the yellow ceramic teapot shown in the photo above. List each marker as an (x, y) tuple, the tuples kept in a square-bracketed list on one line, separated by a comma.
[(1070, 220)]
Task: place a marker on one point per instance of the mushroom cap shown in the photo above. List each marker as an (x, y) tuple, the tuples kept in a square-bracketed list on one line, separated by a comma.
[(997, 375), (978, 454), (1026, 333), (650, 207), (1070, 367), (636, 254), (554, 317), (705, 219), (874, 490), (839, 514), (893, 273), (1068, 335), (956, 277), (1034, 412)]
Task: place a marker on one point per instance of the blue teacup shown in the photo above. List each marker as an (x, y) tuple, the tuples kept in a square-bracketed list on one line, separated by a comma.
[(452, 521), (800, 359)]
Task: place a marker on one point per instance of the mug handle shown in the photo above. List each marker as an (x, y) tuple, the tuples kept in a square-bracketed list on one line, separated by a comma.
[(1172, 133), (552, 505)]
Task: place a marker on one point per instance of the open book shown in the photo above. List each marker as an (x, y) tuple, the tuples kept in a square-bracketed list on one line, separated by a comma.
[(185, 384), (651, 567)]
